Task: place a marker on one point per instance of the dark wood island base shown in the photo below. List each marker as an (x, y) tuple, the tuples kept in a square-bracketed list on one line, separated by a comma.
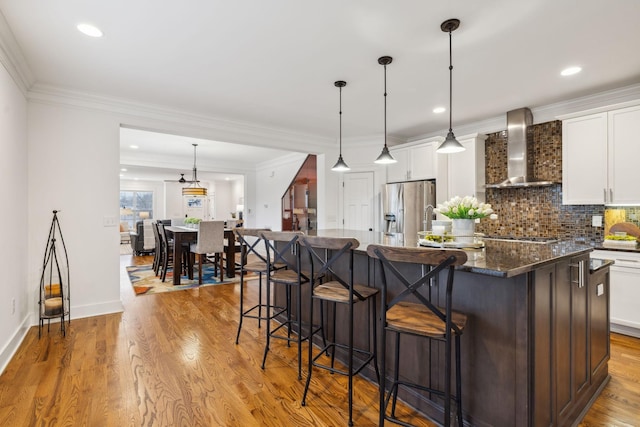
[(536, 346)]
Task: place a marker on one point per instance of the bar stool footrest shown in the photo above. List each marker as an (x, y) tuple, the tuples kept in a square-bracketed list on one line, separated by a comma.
[(277, 311)]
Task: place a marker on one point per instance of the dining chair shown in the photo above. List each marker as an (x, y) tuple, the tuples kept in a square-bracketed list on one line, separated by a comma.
[(157, 254), (408, 310), (167, 260), (210, 241)]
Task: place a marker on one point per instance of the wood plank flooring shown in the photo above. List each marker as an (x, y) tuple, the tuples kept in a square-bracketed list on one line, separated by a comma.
[(171, 360)]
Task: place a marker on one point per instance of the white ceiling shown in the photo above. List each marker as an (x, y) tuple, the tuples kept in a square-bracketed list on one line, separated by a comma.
[(273, 63)]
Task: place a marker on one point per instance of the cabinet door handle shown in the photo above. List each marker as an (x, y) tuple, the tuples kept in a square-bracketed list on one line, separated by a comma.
[(580, 266), (604, 194), (611, 195)]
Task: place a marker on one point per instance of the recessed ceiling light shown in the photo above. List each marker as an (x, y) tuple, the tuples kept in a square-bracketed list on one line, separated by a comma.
[(135, 147), (570, 71), (89, 30), (439, 110), (121, 175), (123, 170)]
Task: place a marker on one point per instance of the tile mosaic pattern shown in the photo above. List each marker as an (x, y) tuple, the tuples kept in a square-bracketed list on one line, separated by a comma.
[(535, 211)]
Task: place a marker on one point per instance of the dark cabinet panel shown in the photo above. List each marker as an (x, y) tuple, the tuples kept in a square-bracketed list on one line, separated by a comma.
[(599, 325)]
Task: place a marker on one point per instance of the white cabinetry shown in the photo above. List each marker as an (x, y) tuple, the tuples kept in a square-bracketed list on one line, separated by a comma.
[(625, 290), (466, 170), (599, 158), (398, 171), (584, 165), (414, 162), (624, 138)]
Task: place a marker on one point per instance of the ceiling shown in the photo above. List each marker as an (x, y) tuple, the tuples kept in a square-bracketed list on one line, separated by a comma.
[(273, 63)]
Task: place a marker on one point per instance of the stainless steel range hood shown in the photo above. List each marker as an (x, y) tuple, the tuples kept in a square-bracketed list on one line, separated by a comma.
[(518, 176)]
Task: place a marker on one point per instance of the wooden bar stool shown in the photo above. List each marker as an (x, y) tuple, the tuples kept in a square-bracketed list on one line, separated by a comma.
[(332, 285), (251, 242), (411, 312), (279, 244)]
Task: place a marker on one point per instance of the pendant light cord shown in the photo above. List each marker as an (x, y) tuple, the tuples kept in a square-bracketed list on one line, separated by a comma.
[(450, 85), (340, 115), (385, 105)]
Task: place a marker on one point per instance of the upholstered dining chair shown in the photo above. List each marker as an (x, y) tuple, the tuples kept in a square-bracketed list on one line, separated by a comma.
[(210, 241)]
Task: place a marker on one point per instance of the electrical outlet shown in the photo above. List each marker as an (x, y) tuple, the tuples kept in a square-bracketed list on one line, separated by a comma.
[(596, 221)]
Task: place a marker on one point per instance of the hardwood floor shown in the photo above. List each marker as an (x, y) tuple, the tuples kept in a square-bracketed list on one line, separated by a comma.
[(170, 360)]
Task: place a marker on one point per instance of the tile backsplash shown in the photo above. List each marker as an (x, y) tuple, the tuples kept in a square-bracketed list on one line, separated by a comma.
[(535, 211)]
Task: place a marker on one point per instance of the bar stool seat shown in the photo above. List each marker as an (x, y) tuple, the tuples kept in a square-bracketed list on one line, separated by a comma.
[(336, 292), (415, 318), (408, 310)]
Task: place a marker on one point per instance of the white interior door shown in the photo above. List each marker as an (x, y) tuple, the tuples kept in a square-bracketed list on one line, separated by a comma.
[(358, 201)]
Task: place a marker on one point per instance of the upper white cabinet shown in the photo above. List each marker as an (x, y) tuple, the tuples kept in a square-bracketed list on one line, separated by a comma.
[(414, 162), (466, 170), (584, 160), (624, 147), (398, 171), (599, 157)]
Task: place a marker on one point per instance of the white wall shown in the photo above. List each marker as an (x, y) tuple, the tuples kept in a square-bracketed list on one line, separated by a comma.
[(14, 286), (73, 167), (272, 181)]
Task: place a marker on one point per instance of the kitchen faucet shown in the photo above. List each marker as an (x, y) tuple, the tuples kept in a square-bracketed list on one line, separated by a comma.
[(428, 216)]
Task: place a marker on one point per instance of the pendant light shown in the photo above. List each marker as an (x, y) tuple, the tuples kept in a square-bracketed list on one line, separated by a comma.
[(194, 188), (385, 157), (450, 144), (340, 165)]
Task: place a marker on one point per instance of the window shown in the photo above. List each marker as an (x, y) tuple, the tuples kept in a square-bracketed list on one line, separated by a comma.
[(135, 206)]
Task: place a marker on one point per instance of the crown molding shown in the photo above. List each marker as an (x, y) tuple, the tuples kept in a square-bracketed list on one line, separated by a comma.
[(180, 121), (12, 60), (601, 101), (281, 161)]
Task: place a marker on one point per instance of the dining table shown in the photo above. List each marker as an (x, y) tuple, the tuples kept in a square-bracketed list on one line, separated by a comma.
[(183, 234)]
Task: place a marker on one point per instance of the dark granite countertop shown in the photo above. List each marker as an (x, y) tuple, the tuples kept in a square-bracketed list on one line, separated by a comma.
[(597, 264), (497, 258)]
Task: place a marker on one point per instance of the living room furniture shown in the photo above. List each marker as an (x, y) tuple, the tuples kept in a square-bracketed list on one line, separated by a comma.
[(142, 244), (125, 237)]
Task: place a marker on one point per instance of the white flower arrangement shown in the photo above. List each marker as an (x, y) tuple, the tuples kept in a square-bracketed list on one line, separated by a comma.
[(466, 207)]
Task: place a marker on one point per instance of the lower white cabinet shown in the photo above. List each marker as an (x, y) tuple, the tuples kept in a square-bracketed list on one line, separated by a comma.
[(625, 290)]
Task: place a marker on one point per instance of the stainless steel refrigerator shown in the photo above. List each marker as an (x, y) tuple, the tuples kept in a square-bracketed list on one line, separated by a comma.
[(407, 207)]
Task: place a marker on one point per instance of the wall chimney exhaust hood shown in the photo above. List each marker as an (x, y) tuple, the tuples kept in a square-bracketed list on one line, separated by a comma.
[(517, 165)]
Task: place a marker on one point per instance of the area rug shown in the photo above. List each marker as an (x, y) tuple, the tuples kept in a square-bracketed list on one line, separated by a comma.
[(145, 282)]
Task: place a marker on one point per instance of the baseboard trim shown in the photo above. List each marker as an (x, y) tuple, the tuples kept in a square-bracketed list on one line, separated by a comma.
[(109, 307), (14, 343)]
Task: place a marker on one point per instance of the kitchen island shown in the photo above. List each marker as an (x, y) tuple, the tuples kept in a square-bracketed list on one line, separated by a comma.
[(527, 351)]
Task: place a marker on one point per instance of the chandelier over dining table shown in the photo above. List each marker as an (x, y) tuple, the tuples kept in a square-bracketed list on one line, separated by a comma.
[(194, 189)]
